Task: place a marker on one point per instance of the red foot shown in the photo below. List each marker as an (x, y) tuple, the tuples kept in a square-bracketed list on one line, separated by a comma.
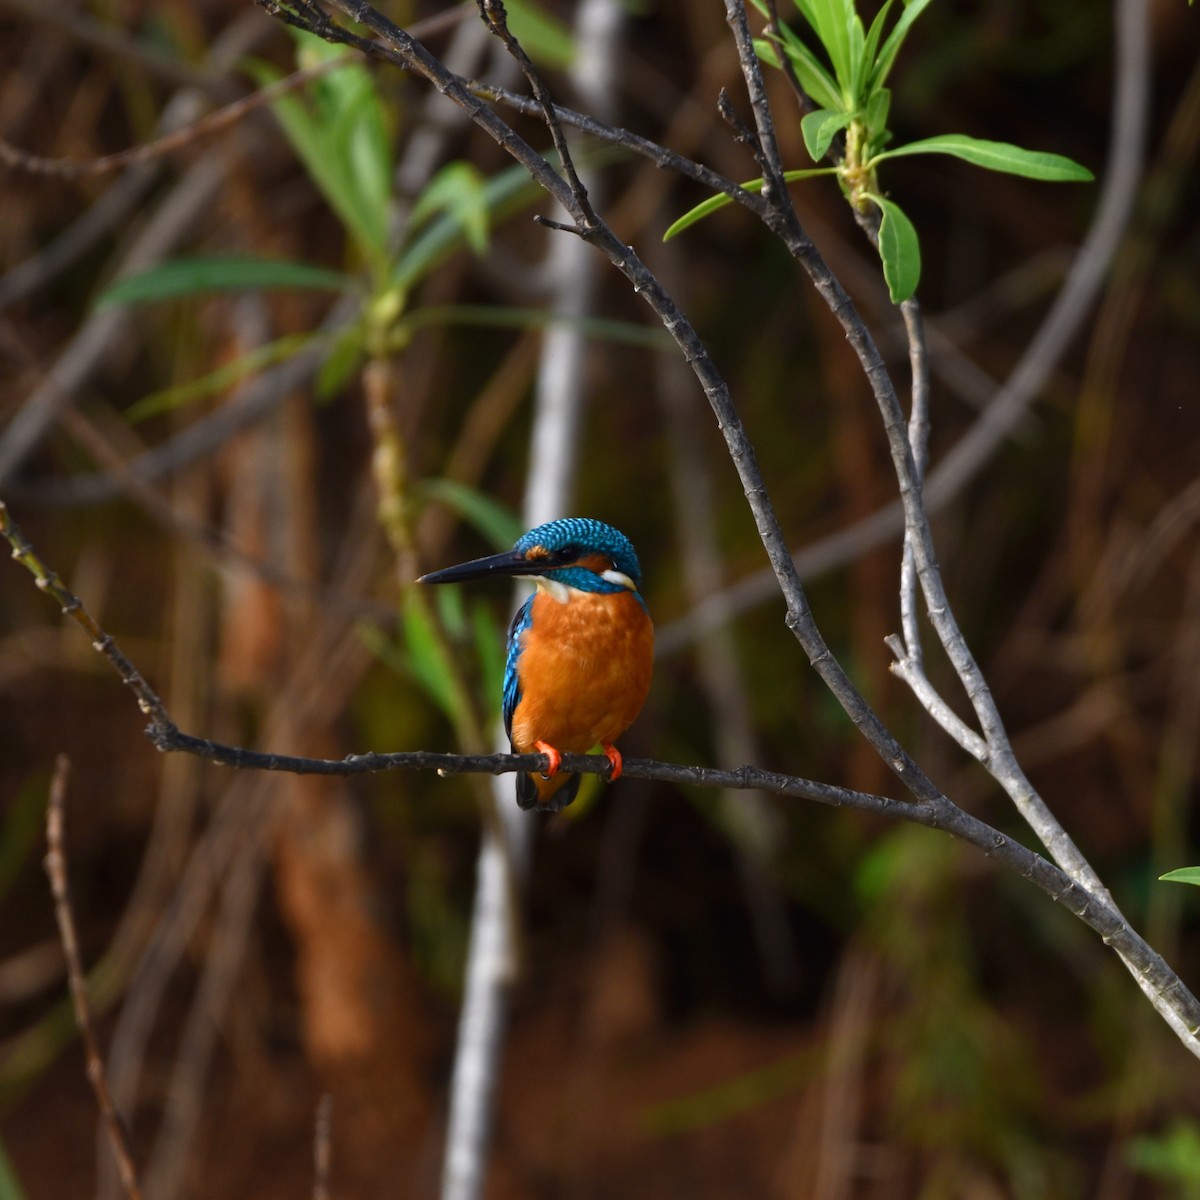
[(553, 755), (614, 756)]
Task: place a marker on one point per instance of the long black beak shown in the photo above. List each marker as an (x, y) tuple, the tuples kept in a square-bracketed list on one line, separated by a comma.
[(511, 562)]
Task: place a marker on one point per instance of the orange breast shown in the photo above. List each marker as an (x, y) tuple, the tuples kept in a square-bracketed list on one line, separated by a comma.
[(584, 670)]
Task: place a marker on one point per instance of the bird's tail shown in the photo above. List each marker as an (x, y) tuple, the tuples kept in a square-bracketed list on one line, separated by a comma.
[(550, 795)]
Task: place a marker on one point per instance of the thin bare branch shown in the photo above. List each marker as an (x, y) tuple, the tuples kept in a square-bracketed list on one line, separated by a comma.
[(48, 581), (323, 1148), (179, 139), (56, 869)]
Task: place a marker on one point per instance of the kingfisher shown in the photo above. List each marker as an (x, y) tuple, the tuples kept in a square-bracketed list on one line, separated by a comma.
[(580, 649)]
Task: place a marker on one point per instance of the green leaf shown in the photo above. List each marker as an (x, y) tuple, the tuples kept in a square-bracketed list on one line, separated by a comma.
[(816, 81), (324, 164), (895, 39), (224, 377), (451, 612), (205, 276), (1173, 1156), (21, 832), (360, 134), (489, 649), (819, 129), (859, 66), (832, 21), (767, 51), (626, 333), (876, 117), (343, 360), (996, 156), (900, 251), (458, 189), (340, 136), (10, 1185), (1183, 875), (499, 525), (424, 660), (714, 203), (874, 33), (545, 38), (504, 194)]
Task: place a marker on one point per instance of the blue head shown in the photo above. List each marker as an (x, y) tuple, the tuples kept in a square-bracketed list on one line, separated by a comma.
[(575, 552), (582, 553)]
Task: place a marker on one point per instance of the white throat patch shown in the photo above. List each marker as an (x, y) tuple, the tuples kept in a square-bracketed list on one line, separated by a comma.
[(554, 589), (619, 578)]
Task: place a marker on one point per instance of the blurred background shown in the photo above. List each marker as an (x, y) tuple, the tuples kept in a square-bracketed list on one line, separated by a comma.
[(718, 995)]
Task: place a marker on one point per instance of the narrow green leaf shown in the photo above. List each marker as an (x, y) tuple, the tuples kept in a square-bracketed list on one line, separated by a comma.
[(814, 78), (20, 833), (810, 13), (458, 189), (859, 66), (996, 156), (714, 203), (360, 134), (340, 364), (900, 251), (323, 161), (625, 333), (878, 104), (831, 21), (1183, 875), (451, 612), (220, 380), (766, 50), (499, 525), (504, 194), (895, 39), (424, 659), (205, 276), (545, 38), (489, 649), (871, 45), (320, 137), (10, 1185), (819, 129)]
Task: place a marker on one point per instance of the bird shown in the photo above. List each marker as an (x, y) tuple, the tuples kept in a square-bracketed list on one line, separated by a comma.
[(580, 649)]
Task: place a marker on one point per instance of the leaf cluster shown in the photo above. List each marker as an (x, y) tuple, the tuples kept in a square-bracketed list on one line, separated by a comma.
[(847, 82)]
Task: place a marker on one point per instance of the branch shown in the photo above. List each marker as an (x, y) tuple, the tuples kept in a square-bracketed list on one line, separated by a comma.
[(932, 807), (179, 139), (56, 869), (323, 1148), (933, 810), (47, 580)]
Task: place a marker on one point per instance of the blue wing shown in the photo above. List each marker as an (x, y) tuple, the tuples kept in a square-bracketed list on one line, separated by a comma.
[(512, 684)]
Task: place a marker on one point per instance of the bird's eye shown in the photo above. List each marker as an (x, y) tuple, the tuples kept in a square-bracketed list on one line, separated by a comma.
[(566, 554)]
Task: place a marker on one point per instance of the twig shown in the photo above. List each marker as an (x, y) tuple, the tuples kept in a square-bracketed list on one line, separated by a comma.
[(215, 122), (496, 19), (204, 436), (56, 869), (323, 1148), (47, 580), (174, 219), (918, 440), (234, 838), (626, 139), (803, 100)]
